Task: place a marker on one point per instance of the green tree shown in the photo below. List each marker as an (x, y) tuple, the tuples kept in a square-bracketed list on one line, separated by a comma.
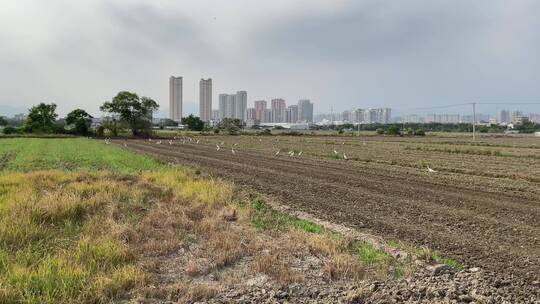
[(3, 121), (41, 118), (231, 125), (81, 121), (111, 124), (134, 111), (527, 127), (393, 130), (193, 123)]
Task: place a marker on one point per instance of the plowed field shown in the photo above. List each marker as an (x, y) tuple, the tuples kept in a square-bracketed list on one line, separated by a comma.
[(480, 208)]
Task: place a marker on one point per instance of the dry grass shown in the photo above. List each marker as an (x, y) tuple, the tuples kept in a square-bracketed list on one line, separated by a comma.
[(344, 266), (276, 266), (58, 240), (188, 292)]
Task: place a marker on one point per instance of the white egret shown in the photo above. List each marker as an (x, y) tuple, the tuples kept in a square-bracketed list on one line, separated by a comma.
[(232, 151), (431, 170), (277, 153), (170, 142), (345, 156), (218, 147), (300, 153), (335, 152)]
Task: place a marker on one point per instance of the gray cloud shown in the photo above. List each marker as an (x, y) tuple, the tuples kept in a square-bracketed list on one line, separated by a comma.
[(339, 53)]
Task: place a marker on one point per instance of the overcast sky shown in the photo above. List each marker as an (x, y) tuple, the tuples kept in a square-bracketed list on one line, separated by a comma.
[(348, 54)]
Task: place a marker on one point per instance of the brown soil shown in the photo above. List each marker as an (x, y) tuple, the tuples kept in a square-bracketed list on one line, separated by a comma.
[(478, 226)]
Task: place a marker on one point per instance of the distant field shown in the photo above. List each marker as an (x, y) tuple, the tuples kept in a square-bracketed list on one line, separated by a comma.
[(86, 222)]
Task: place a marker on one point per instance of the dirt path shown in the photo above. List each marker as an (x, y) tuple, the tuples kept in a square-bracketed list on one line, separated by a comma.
[(495, 231)]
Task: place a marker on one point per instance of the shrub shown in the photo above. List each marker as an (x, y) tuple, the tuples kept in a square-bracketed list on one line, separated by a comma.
[(10, 130), (420, 132), (380, 131), (264, 132), (393, 130)]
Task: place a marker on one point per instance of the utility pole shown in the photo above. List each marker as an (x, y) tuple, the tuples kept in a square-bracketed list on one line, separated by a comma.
[(474, 121)]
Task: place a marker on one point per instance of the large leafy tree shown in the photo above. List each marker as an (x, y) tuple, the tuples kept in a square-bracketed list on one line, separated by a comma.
[(81, 121), (231, 125), (41, 118), (134, 111), (3, 121), (193, 123)]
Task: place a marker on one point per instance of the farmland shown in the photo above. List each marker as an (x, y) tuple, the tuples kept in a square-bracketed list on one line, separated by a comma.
[(481, 206), (86, 222)]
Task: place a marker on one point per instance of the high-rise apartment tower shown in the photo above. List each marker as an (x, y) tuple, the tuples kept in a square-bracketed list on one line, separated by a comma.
[(175, 98), (205, 99)]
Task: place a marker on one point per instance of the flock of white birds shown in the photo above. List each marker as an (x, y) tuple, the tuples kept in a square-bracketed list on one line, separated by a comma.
[(291, 153)]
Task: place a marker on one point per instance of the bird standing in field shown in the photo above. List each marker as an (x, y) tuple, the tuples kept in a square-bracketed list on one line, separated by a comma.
[(335, 152), (159, 142), (431, 170), (300, 153), (232, 151), (345, 156), (170, 142), (277, 153), (218, 147)]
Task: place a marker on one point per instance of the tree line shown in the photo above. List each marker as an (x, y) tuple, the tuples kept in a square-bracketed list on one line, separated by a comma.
[(126, 111)]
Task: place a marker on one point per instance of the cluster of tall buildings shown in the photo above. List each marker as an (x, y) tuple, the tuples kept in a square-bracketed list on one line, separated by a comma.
[(516, 117), (503, 117), (235, 106), (279, 112), (232, 106), (362, 116)]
